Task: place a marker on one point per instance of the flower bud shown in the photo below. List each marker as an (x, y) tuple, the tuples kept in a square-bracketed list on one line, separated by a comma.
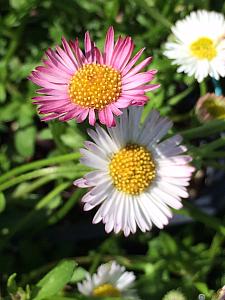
[(210, 107)]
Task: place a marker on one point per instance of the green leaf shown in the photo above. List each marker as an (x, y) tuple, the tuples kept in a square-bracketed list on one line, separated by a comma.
[(177, 98), (11, 284), (203, 288), (9, 112), (24, 141), (18, 4), (55, 280), (78, 275), (72, 138), (2, 202), (169, 243), (2, 93)]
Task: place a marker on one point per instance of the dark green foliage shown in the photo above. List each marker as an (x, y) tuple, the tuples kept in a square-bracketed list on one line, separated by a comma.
[(41, 220)]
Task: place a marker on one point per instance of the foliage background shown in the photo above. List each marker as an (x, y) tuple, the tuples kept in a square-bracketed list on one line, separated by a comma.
[(42, 221)]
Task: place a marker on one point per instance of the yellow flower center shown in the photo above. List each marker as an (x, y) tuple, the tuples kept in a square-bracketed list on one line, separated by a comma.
[(95, 86), (132, 169), (106, 290), (203, 48)]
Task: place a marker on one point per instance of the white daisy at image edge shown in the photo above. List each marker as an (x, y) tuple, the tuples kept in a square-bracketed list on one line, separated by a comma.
[(110, 280), (137, 178), (198, 45)]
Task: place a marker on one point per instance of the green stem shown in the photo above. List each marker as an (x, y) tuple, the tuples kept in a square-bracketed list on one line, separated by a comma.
[(68, 172), (213, 145), (216, 245), (204, 218), (40, 205), (34, 185), (44, 201), (95, 262), (214, 154), (203, 88), (38, 164), (66, 207), (56, 129), (207, 129), (176, 99)]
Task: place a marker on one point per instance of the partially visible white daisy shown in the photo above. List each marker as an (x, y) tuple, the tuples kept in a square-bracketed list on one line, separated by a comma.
[(111, 280), (221, 293), (199, 46), (137, 177)]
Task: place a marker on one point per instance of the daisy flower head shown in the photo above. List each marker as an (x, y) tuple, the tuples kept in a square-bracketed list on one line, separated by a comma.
[(79, 85), (199, 45), (221, 293), (137, 176), (110, 280)]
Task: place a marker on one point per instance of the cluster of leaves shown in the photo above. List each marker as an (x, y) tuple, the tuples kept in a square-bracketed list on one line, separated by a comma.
[(41, 221)]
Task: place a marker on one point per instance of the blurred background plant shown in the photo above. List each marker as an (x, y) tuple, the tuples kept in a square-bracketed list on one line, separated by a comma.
[(41, 219)]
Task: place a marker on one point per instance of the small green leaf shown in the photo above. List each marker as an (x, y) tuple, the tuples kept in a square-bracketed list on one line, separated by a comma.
[(18, 4), (55, 280), (11, 284), (24, 141), (78, 275), (2, 93), (72, 138), (2, 202)]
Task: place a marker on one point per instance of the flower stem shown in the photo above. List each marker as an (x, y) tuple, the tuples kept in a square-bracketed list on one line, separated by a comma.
[(203, 88), (212, 146), (40, 205), (38, 164), (207, 129), (68, 172), (66, 207)]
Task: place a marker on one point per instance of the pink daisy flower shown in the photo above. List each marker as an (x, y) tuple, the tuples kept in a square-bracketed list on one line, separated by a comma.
[(77, 85), (137, 175)]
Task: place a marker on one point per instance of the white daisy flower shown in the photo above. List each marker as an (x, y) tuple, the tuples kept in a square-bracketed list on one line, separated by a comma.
[(137, 177), (199, 46), (111, 280)]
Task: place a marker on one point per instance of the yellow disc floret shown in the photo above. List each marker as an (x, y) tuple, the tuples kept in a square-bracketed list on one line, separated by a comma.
[(106, 290), (95, 86), (203, 48), (132, 169)]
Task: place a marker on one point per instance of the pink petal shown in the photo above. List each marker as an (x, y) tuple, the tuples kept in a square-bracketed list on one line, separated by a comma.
[(115, 109), (69, 52), (109, 44), (140, 66), (117, 50), (122, 53), (58, 61), (50, 117), (139, 80), (79, 54), (49, 78), (92, 118), (101, 115), (140, 77), (99, 57), (53, 72), (83, 115), (109, 116), (66, 59), (89, 47), (52, 92), (132, 62)]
